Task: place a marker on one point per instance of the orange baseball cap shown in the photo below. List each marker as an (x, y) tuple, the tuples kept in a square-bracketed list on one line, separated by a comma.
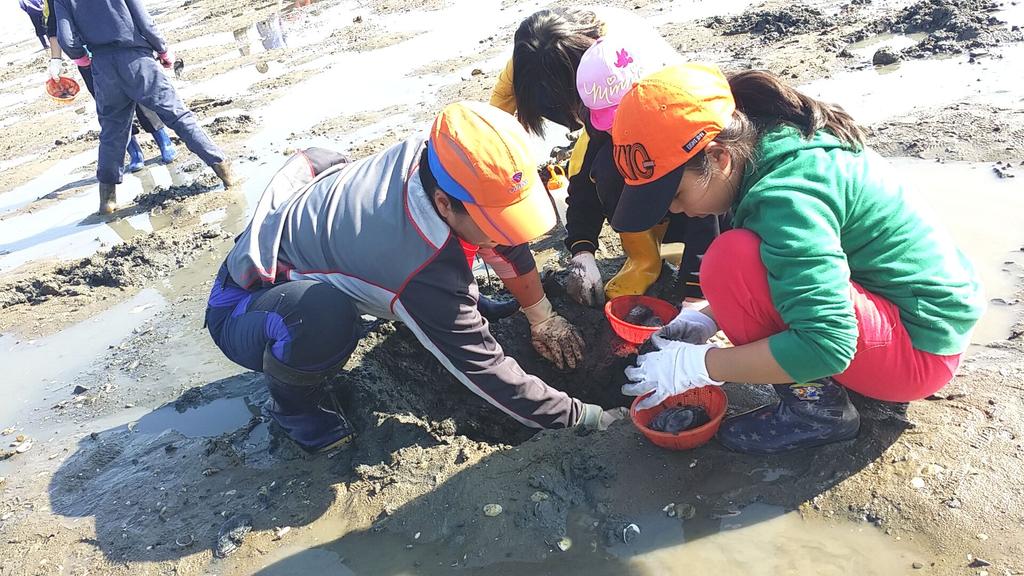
[(479, 154), (663, 121)]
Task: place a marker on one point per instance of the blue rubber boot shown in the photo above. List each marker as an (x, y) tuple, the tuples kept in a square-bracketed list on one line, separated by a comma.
[(310, 415), (495, 310), (135, 158), (167, 151), (807, 415)]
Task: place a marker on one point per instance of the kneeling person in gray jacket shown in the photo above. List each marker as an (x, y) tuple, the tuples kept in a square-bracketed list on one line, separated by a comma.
[(332, 240)]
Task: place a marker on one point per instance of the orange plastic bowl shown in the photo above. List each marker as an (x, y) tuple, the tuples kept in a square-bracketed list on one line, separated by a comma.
[(619, 307), (63, 89), (711, 398)]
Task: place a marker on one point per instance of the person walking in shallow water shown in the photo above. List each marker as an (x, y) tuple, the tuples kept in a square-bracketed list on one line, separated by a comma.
[(117, 39), (830, 280), (144, 119)]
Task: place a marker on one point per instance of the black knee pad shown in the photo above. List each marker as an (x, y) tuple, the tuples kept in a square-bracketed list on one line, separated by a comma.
[(293, 376)]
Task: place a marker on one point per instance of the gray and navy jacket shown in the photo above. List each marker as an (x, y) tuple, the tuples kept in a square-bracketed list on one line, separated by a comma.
[(104, 26), (369, 229)]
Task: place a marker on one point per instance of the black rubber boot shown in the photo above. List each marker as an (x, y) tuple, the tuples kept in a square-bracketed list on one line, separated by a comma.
[(308, 412), (495, 310), (310, 416), (108, 198), (806, 415)]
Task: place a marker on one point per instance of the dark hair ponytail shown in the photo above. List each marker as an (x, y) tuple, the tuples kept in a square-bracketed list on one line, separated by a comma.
[(548, 47), (763, 101), (767, 102)]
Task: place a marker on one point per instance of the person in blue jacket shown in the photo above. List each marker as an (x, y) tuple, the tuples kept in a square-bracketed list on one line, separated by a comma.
[(144, 119), (121, 40)]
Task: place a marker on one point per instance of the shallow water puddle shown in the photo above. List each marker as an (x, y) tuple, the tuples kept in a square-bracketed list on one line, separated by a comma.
[(983, 213), (685, 10), (282, 29), (212, 419), (764, 540), (38, 373), (757, 540), (865, 49), (443, 36), (56, 176), (69, 228), (876, 94)]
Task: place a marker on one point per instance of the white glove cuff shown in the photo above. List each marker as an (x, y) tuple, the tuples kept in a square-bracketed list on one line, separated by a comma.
[(692, 315), (590, 417), (540, 312), (585, 258), (694, 362)]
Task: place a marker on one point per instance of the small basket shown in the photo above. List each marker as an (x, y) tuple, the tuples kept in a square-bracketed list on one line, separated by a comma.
[(617, 309), (63, 89), (711, 398)]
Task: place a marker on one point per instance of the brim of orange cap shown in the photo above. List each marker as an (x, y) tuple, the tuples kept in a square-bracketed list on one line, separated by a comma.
[(602, 119), (641, 207), (518, 223)]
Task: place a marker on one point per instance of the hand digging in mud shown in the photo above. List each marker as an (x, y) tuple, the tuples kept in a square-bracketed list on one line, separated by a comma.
[(553, 336)]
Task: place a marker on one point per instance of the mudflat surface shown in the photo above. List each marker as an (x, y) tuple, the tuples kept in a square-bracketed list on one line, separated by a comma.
[(145, 442)]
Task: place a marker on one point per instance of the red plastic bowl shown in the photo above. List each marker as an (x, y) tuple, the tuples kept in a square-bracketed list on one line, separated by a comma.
[(711, 398), (619, 307), (63, 89)]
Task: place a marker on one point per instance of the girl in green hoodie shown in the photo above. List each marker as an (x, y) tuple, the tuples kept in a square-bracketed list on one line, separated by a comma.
[(831, 280)]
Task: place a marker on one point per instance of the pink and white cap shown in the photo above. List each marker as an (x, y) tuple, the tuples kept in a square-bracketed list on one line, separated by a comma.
[(607, 70)]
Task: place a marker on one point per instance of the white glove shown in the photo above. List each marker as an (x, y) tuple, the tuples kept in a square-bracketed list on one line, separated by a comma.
[(584, 285), (596, 418), (667, 372), (553, 337), (55, 68), (688, 326)]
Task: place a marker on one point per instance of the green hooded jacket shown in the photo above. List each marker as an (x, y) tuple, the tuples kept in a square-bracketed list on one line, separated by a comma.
[(828, 214)]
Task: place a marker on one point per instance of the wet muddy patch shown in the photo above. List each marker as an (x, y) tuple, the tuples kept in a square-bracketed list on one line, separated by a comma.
[(941, 134), (403, 6), (347, 123), (238, 124), (126, 265), (163, 196), (949, 26), (773, 24), (366, 36), (205, 105)]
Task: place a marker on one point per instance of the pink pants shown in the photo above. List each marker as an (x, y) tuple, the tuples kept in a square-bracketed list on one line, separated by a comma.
[(886, 365)]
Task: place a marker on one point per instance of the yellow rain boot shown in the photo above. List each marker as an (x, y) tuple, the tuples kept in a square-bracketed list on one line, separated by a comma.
[(643, 262)]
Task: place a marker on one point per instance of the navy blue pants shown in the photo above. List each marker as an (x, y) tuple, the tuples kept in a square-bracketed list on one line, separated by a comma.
[(40, 27), (124, 78), (145, 119), (308, 326)]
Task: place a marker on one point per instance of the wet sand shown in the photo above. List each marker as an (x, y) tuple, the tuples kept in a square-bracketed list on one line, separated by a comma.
[(145, 440)]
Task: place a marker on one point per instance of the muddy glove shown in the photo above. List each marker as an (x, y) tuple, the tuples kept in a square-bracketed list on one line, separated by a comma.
[(688, 326), (584, 285), (166, 59), (596, 418), (672, 370), (553, 336), (55, 68)]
